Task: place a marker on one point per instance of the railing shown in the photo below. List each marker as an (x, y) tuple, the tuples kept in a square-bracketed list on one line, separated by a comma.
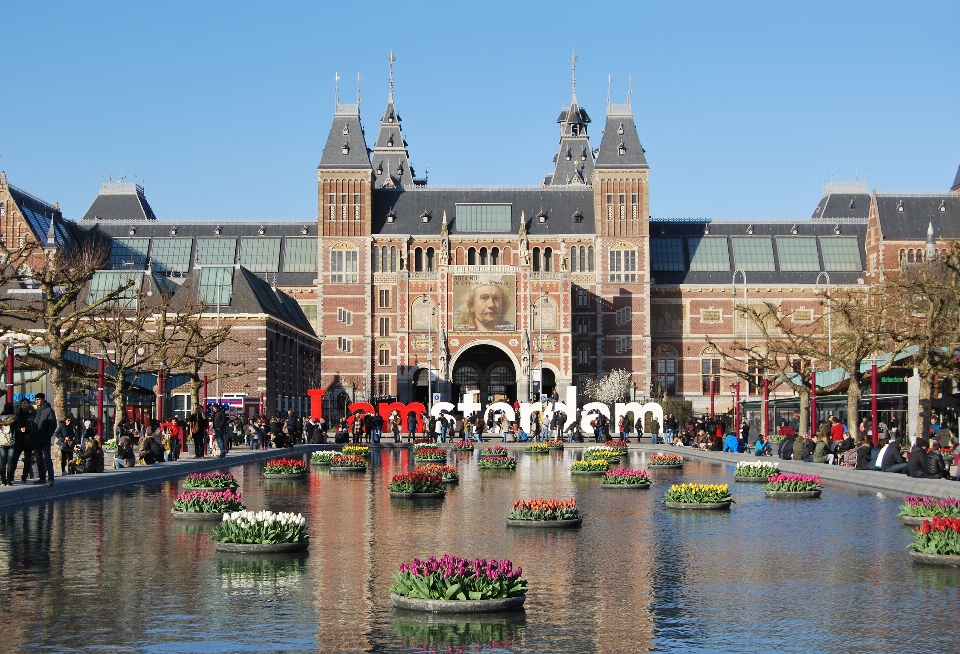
[(538, 189), (120, 188), (432, 274), (546, 276), (348, 109), (845, 187), (620, 110)]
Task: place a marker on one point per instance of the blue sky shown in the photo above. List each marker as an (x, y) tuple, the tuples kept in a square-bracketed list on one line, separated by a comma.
[(222, 108)]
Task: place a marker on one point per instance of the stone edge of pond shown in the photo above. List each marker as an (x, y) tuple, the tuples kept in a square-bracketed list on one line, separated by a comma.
[(887, 481), (20, 495)]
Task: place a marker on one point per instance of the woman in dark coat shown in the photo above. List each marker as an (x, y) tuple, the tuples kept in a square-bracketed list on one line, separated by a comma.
[(92, 457)]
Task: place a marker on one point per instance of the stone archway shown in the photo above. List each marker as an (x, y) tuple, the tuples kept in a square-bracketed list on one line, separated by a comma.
[(485, 368)]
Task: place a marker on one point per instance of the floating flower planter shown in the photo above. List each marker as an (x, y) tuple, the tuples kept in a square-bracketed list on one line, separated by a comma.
[(264, 532), (430, 454), (356, 450), (416, 485), (537, 448), (917, 509), (754, 472), (497, 463), (496, 450), (664, 462), (447, 474), (462, 446), (322, 458), (542, 513), (589, 468), (626, 479), (452, 584), (555, 445), (344, 463), (937, 542), (203, 505), (698, 497), (285, 469), (210, 480), (784, 486), (603, 453)]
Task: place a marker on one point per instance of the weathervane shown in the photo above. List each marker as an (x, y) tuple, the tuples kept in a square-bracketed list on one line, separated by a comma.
[(573, 61), (358, 89), (392, 59), (336, 87)]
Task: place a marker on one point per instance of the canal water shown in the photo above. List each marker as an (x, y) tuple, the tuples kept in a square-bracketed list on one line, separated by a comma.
[(115, 573)]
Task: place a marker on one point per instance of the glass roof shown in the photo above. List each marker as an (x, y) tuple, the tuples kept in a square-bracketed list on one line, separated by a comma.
[(798, 254), (216, 251), (709, 254), (129, 250), (483, 218), (841, 254), (753, 253), (300, 255), (105, 282), (171, 255), (260, 254), (666, 255), (216, 285)]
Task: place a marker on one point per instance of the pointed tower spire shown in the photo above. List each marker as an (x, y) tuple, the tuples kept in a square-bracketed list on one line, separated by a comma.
[(391, 162), (575, 159), (392, 59)]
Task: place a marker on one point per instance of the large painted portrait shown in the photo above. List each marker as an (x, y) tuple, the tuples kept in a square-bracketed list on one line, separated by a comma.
[(484, 303)]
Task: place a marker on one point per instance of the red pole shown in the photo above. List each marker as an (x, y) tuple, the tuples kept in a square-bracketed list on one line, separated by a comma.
[(261, 404), (874, 389), (100, 369), (711, 398), (736, 409), (813, 401), (10, 371), (766, 407), (206, 383), (160, 395)]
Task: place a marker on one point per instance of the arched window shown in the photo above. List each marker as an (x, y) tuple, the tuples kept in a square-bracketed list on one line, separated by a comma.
[(483, 256), (536, 259), (590, 258), (709, 370), (573, 259), (393, 258), (467, 378), (903, 256), (547, 259), (472, 257), (430, 259), (418, 260), (909, 256), (494, 256), (375, 259)]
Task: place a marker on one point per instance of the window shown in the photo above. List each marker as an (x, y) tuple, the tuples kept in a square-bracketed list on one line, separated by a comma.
[(709, 371), (665, 379), (798, 254), (216, 251), (384, 355), (536, 259), (260, 254), (842, 254), (666, 255), (384, 298), (583, 300), (216, 285), (483, 218), (548, 259), (709, 254), (590, 258), (344, 316), (171, 255), (623, 265), (623, 206), (472, 257), (583, 326), (494, 256), (418, 260), (483, 256), (581, 259), (573, 259), (383, 385), (344, 344), (343, 267), (753, 253), (623, 345), (609, 206), (430, 259), (634, 206), (755, 385), (623, 315), (300, 255), (384, 326), (583, 355), (129, 250), (105, 282), (332, 203)]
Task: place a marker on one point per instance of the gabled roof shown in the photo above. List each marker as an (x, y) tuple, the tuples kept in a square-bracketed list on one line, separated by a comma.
[(390, 159), (576, 169), (345, 148), (38, 214), (119, 202), (906, 216), (843, 201), (620, 145)]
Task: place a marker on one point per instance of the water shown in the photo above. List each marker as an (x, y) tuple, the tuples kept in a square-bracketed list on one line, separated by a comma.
[(114, 572)]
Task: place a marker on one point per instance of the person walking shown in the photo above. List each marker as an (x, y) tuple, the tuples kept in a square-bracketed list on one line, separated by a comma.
[(220, 424), (64, 439), (44, 424), (198, 432), (7, 418)]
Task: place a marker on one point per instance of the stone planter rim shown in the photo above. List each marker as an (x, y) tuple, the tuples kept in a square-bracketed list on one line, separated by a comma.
[(588, 473), (671, 466), (798, 495), (913, 520), (417, 496), (259, 548), (631, 486), (934, 559), (273, 475), (186, 486), (451, 480), (348, 469), (573, 523), (457, 606), (319, 463), (512, 468), (697, 506), (196, 516), (749, 480)]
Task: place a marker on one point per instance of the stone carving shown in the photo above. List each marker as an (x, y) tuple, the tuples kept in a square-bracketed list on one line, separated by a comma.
[(525, 354), (444, 355), (524, 250)]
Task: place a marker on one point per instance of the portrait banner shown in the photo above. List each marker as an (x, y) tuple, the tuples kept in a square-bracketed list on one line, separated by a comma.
[(485, 303)]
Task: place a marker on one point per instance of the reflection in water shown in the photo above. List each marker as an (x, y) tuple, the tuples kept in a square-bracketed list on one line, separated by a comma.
[(439, 633), (115, 570)]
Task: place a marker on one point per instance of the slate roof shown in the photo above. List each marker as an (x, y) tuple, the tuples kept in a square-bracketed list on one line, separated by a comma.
[(389, 158), (559, 204), (120, 202), (620, 130), (578, 168), (772, 229), (38, 214), (843, 206), (347, 117), (252, 295), (956, 181), (919, 210)]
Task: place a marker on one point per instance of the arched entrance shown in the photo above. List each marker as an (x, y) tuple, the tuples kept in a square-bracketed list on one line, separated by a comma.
[(487, 369)]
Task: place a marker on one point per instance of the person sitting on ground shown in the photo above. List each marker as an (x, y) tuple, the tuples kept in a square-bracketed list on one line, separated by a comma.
[(800, 447), (281, 439), (917, 459), (821, 452), (68, 452), (92, 458), (864, 454), (762, 446), (146, 450), (846, 444), (785, 451), (890, 460), (935, 466), (731, 443), (126, 457)]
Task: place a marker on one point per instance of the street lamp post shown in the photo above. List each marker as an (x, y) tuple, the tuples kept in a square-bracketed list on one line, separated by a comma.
[(712, 392), (433, 313), (10, 369), (874, 389), (816, 291), (766, 407), (100, 371), (733, 292), (813, 399), (160, 393), (736, 406)]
